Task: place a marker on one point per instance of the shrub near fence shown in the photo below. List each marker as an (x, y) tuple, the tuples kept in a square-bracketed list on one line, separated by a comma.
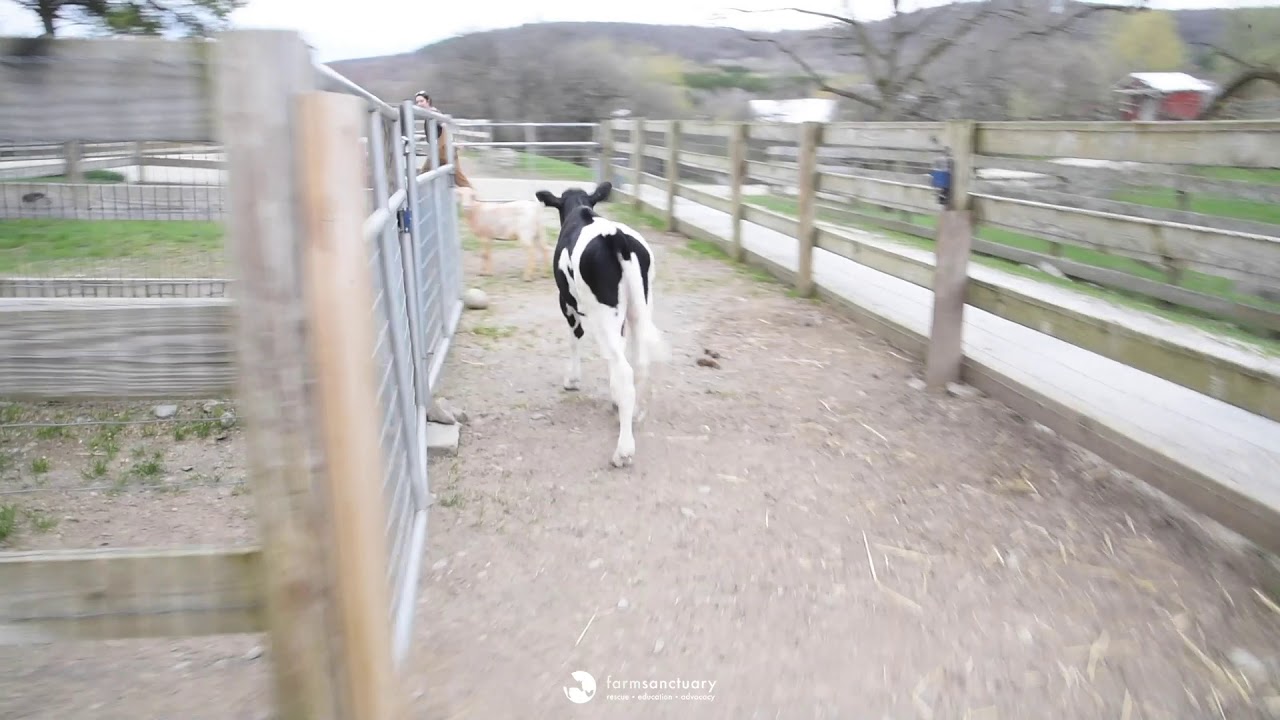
[(1015, 205), (347, 272)]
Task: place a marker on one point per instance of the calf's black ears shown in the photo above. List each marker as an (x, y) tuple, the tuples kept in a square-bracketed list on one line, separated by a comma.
[(547, 198), (601, 193)]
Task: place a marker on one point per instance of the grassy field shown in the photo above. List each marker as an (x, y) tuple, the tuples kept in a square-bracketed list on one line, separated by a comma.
[(1207, 204), (135, 246), (92, 176)]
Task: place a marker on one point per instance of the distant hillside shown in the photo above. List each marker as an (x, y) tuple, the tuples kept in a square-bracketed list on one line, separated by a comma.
[(715, 69)]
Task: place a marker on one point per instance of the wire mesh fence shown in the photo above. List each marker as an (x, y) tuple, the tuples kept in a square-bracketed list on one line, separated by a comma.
[(140, 227)]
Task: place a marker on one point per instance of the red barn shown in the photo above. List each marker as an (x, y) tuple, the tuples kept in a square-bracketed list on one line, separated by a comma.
[(1163, 96)]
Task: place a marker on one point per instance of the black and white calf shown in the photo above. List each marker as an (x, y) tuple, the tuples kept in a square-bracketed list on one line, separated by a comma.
[(604, 270)]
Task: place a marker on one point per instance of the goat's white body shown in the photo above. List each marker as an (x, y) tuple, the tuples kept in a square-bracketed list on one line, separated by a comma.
[(518, 220)]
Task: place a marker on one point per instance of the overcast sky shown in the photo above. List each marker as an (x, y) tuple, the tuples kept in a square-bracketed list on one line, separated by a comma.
[(361, 28)]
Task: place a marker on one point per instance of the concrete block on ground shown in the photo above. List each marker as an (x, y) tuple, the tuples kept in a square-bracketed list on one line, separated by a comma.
[(442, 439)]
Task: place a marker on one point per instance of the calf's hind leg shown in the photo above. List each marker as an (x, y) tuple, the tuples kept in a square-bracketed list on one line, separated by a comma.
[(573, 377), (608, 331)]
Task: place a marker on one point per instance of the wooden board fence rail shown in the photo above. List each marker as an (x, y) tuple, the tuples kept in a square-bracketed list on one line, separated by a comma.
[(112, 594), (110, 348), (1239, 256), (46, 84), (1232, 143)]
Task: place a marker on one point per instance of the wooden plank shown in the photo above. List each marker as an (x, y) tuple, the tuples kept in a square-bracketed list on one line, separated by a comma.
[(703, 161), (840, 154), (339, 311), (780, 174), (1245, 387), (112, 594), (1231, 143), (284, 454), (876, 257), (1137, 177), (1247, 315), (1146, 212), (1237, 256), (45, 85), (784, 224), (703, 197), (713, 129), (881, 192), (907, 135), (14, 286), (807, 182), (107, 348), (784, 133)]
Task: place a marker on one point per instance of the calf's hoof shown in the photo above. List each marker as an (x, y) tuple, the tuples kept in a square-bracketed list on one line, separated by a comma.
[(570, 384), (622, 458)]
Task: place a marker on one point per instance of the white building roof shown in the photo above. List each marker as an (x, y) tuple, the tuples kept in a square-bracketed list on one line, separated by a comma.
[(1167, 82), (794, 111)]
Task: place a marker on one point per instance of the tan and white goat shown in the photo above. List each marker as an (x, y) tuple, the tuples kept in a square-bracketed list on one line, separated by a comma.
[(519, 220)]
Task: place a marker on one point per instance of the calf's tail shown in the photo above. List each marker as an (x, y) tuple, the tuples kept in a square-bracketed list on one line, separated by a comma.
[(637, 262)]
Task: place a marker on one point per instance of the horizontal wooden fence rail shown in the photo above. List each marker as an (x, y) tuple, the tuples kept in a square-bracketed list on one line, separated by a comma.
[(1013, 178)]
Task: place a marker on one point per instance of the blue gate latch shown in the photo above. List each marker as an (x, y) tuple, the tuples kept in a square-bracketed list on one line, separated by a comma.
[(940, 179)]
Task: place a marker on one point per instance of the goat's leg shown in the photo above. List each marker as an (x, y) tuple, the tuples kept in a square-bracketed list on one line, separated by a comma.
[(528, 261), (486, 245), (621, 381)]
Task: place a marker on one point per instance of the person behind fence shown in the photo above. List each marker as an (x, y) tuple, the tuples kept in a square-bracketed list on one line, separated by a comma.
[(423, 100)]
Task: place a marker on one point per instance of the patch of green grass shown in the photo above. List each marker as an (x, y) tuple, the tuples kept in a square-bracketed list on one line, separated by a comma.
[(148, 469), (1167, 198), (107, 441), (624, 212), (493, 332), (91, 176), (50, 432), (40, 465), (27, 241), (8, 521), (1260, 176), (10, 414), (97, 470), (42, 521), (552, 168), (451, 500)]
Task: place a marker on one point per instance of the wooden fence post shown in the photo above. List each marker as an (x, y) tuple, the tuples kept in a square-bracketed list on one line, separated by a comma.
[(807, 169), (737, 175), (265, 236), (140, 159), (951, 271), (605, 132), (673, 171), (339, 294), (637, 162)]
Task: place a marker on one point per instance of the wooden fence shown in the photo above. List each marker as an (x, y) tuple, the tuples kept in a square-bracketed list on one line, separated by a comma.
[(302, 360), (1018, 192)]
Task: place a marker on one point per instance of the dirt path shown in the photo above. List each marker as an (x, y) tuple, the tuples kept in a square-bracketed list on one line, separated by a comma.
[(1013, 575)]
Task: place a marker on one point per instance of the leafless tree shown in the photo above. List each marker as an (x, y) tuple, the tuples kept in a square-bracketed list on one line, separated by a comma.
[(899, 56)]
